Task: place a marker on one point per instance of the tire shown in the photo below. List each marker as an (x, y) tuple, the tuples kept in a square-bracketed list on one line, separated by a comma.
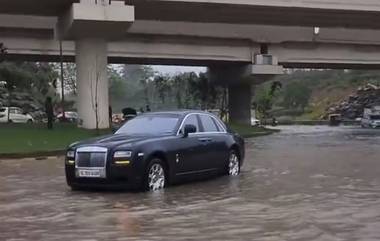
[(155, 177), (29, 121), (233, 165)]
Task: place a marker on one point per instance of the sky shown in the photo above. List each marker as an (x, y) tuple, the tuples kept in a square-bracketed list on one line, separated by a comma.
[(171, 70)]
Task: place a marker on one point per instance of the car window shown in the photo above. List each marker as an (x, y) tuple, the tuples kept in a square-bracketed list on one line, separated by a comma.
[(2, 109), (18, 111), (191, 120), (208, 124), (12, 110), (150, 125)]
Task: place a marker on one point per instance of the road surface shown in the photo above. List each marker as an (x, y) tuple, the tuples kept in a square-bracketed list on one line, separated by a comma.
[(305, 183)]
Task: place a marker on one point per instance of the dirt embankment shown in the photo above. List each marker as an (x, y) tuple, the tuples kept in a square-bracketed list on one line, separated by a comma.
[(352, 107)]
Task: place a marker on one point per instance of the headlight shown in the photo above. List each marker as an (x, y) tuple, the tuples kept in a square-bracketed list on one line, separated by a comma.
[(70, 154), (122, 154)]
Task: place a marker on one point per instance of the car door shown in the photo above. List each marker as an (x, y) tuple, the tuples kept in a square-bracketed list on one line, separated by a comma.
[(189, 155), (215, 149), (19, 116), (12, 115)]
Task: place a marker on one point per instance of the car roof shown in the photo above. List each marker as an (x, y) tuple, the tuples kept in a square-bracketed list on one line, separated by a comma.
[(12, 107), (178, 112)]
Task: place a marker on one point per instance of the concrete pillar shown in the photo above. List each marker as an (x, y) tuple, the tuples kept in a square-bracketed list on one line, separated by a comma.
[(92, 83), (239, 103), (239, 81), (91, 23)]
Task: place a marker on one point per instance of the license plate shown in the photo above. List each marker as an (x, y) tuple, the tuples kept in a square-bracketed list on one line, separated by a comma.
[(89, 173)]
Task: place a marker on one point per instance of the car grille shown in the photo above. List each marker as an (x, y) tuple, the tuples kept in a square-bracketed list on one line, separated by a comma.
[(91, 158)]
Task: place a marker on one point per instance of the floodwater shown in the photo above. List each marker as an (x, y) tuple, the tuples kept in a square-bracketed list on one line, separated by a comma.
[(305, 183)]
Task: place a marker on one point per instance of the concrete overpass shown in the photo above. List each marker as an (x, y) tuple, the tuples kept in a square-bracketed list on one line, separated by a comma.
[(225, 35)]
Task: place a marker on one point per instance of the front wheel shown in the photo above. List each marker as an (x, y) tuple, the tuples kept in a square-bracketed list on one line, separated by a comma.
[(155, 176), (233, 164)]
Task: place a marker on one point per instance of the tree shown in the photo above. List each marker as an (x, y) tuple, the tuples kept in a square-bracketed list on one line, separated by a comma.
[(180, 92), (296, 95), (139, 87), (3, 51), (162, 84), (118, 85), (69, 76), (94, 87), (265, 99)]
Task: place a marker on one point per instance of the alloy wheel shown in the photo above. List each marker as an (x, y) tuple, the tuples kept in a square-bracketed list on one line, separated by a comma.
[(156, 177), (233, 165)]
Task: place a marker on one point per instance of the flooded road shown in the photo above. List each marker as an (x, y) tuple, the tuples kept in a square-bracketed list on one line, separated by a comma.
[(305, 183)]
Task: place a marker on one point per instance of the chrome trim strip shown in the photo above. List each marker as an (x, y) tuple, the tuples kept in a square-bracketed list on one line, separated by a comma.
[(205, 133), (224, 131), (91, 149), (195, 172)]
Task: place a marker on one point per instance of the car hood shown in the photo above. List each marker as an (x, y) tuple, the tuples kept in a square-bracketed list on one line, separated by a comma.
[(112, 141)]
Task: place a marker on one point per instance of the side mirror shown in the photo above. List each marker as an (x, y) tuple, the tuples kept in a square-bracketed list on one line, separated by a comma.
[(189, 129)]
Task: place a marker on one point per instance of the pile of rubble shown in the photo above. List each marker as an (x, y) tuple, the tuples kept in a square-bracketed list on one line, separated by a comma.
[(352, 108), (23, 100)]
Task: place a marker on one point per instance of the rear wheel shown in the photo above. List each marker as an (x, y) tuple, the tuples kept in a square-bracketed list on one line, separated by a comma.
[(233, 164), (155, 175)]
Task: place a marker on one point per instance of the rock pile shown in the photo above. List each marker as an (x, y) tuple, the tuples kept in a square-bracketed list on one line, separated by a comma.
[(352, 108)]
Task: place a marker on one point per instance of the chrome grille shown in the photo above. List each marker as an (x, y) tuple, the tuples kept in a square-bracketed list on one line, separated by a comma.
[(91, 157), (95, 159)]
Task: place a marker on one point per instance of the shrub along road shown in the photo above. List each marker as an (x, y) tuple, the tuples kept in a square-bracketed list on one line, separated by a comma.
[(30, 140)]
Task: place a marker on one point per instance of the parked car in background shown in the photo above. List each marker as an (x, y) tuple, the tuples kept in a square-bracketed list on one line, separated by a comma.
[(154, 150), (117, 118), (371, 118), (16, 115), (128, 114), (70, 116), (255, 122), (335, 119)]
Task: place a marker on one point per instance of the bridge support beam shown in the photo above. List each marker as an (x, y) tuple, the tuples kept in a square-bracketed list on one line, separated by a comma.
[(91, 24), (239, 82), (92, 83), (239, 103)]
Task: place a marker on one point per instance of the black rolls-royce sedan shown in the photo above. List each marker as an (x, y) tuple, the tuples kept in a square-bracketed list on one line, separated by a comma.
[(154, 150)]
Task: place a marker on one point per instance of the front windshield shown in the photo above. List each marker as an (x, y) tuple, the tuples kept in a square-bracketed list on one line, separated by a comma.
[(150, 125), (375, 117)]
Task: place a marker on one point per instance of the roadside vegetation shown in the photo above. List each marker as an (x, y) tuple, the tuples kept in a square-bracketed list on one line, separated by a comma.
[(25, 138), (36, 139), (307, 94), (251, 131)]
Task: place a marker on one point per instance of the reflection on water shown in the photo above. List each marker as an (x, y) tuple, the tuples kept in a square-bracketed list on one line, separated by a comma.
[(305, 183)]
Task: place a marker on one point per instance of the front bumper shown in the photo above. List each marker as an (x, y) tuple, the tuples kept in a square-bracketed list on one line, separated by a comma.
[(117, 177)]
